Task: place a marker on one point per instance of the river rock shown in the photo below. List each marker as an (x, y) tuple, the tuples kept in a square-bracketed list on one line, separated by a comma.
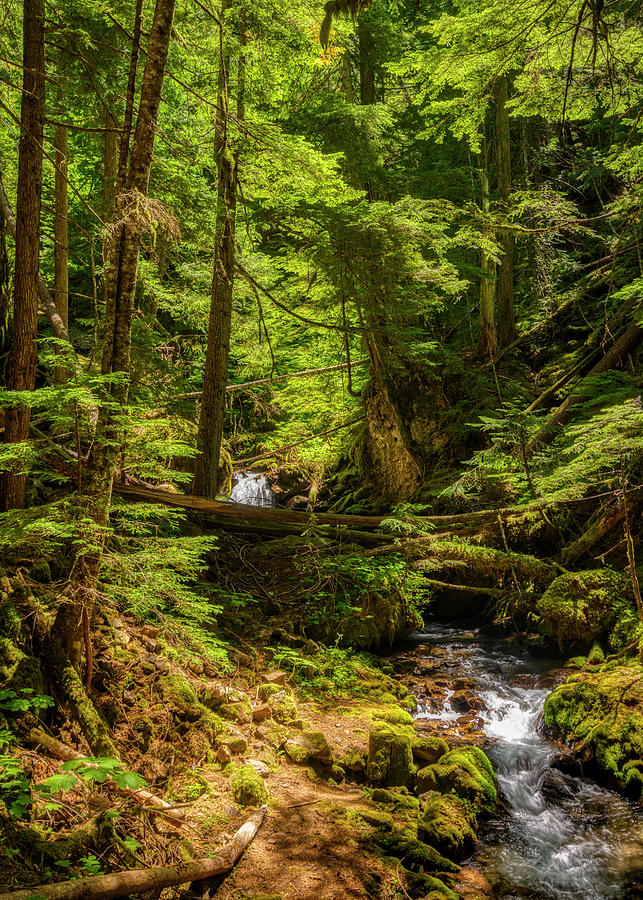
[(567, 763), (558, 787)]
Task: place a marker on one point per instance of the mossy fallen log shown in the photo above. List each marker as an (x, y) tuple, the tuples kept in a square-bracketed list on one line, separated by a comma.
[(138, 881)]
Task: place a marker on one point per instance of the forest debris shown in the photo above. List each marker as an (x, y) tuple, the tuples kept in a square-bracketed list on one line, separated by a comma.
[(120, 884), (145, 798)]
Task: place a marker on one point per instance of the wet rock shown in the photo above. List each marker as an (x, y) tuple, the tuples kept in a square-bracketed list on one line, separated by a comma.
[(567, 763), (465, 701), (466, 772), (472, 885), (556, 787)]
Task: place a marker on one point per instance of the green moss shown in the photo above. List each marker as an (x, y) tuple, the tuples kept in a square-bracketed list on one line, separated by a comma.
[(465, 772), (583, 606), (180, 697), (309, 745), (415, 853), (390, 756), (284, 709), (601, 712), (438, 890), (241, 713), (10, 622), (430, 748), (248, 788), (449, 824), (596, 656), (266, 691), (394, 715)]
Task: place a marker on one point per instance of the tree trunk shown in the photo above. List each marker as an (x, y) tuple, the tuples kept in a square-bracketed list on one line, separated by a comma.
[(488, 339), (506, 319), (61, 238), (74, 613), (110, 165), (215, 377), (24, 352)]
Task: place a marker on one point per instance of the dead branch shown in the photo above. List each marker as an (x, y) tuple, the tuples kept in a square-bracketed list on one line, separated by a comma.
[(138, 881)]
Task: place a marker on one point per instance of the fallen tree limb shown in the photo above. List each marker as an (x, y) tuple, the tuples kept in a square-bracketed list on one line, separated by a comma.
[(304, 373), (138, 881), (628, 341), (598, 528), (305, 440), (145, 798)]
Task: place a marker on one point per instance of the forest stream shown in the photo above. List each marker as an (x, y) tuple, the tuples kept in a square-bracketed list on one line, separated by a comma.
[(561, 835)]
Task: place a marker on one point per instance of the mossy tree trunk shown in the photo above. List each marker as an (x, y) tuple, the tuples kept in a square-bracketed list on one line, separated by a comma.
[(24, 353), (506, 318), (74, 614), (215, 377), (488, 337), (61, 237)]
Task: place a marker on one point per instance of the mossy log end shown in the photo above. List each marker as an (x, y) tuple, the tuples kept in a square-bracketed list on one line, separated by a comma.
[(71, 690)]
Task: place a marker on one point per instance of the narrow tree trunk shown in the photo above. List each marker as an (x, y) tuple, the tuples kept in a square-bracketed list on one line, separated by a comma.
[(110, 165), (74, 614), (61, 238), (488, 340), (506, 318), (24, 353), (215, 378)]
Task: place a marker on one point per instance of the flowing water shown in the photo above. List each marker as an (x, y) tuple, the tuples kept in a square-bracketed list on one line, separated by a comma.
[(253, 489), (563, 837)]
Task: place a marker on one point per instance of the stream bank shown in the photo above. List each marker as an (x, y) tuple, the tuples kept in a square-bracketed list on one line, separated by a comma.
[(560, 835)]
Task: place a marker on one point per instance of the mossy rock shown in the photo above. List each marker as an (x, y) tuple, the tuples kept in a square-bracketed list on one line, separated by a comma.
[(240, 713), (449, 824), (583, 606), (601, 712), (390, 757), (307, 746), (248, 787), (405, 847), (465, 772), (439, 890), (596, 657), (429, 748), (284, 709), (266, 691), (394, 715), (180, 697), (401, 800)]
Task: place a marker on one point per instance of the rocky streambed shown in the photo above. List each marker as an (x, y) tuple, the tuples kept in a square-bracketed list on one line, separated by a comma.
[(558, 835)]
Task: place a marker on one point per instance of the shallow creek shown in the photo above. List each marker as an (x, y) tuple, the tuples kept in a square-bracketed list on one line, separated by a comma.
[(562, 836)]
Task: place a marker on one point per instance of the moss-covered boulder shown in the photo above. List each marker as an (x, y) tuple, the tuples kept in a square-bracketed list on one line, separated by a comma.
[(601, 713), (307, 746), (465, 772), (180, 697), (449, 824), (583, 606), (248, 787), (429, 748), (404, 846), (390, 756)]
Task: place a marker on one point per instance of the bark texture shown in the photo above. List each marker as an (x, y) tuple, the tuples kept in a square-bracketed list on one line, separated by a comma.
[(24, 353), (506, 318), (61, 237), (75, 611), (215, 376), (488, 337)]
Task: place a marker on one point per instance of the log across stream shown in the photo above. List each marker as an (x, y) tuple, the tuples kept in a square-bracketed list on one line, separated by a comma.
[(561, 836)]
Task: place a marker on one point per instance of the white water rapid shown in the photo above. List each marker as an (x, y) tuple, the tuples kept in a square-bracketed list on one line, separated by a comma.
[(564, 837), (253, 489)]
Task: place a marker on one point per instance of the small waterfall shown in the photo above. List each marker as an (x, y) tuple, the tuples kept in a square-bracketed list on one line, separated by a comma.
[(253, 489), (565, 838)]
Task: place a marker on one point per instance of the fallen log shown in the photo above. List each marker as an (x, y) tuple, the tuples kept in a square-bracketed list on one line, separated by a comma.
[(303, 373), (628, 341), (599, 526), (138, 881), (61, 751)]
